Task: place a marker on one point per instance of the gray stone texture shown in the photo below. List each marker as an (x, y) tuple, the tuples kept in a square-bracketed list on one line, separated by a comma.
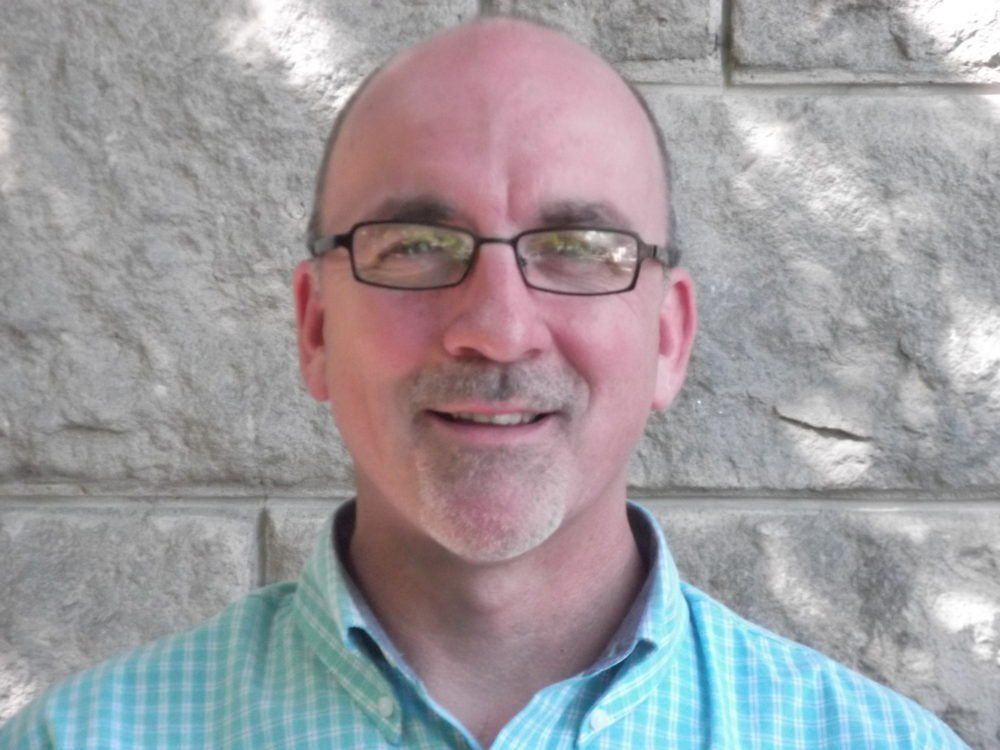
[(156, 171), (79, 584), (909, 597), (156, 178), (291, 532), (665, 41), (845, 255), (156, 168), (864, 41)]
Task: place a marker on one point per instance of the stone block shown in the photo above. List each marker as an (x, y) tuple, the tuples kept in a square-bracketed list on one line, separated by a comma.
[(154, 185), (882, 41), (156, 172), (291, 532), (844, 256), (662, 42), (908, 596), (81, 584)]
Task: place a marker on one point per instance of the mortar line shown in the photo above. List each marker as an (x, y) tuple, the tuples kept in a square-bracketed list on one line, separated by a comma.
[(230, 494), (726, 42), (173, 506), (227, 492), (259, 560), (845, 89), (904, 495), (852, 506), (260, 538)]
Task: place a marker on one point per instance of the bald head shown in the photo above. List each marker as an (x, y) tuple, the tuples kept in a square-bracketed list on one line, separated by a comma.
[(499, 78)]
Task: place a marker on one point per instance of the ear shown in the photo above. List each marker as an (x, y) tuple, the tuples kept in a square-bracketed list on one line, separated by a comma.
[(309, 315), (678, 322)]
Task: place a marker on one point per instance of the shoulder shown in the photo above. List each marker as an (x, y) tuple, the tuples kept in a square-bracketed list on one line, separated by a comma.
[(780, 687), (154, 686)]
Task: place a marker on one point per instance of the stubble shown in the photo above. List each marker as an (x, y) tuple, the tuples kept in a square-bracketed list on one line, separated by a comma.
[(494, 503)]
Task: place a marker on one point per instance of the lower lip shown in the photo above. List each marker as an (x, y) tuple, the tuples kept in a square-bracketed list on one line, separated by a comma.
[(491, 434)]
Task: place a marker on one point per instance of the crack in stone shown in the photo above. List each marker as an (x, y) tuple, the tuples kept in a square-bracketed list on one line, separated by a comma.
[(829, 432), (92, 428)]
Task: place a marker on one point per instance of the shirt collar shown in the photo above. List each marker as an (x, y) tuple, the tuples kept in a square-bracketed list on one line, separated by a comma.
[(656, 618), (328, 611), (348, 638)]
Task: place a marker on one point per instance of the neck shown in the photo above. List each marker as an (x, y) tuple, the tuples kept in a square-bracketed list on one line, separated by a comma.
[(485, 637)]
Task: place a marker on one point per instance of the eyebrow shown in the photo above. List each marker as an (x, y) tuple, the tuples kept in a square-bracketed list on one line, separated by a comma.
[(569, 212), (419, 208), (432, 210)]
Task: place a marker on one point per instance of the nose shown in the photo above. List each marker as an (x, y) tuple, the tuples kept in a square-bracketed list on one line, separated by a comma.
[(494, 315)]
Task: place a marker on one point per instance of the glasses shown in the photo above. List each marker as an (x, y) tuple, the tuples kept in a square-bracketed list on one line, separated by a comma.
[(582, 261)]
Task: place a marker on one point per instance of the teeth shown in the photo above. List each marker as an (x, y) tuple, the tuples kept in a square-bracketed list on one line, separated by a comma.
[(500, 419)]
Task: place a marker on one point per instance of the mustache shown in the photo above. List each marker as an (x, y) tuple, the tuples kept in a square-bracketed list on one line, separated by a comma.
[(541, 386)]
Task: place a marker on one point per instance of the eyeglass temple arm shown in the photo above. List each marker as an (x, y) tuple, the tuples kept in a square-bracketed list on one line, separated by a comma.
[(670, 255), (326, 244)]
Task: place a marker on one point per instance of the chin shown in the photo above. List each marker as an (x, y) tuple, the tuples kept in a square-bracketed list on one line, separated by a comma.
[(479, 534), (486, 514)]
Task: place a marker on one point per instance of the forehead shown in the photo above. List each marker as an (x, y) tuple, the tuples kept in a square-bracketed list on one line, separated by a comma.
[(498, 120)]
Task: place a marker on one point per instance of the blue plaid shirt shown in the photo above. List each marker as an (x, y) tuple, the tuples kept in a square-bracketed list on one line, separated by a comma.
[(305, 665)]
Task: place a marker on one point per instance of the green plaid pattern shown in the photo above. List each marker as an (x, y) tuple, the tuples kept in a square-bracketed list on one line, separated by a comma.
[(305, 665)]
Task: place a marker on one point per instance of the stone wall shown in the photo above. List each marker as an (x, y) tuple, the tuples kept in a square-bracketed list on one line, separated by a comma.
[(831, 470)]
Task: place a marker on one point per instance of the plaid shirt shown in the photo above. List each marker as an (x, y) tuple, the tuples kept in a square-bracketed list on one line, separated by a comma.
[(305, 665)]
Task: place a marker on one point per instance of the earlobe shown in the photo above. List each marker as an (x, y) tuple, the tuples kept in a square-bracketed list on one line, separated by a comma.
[(678, 322), (309, 317)]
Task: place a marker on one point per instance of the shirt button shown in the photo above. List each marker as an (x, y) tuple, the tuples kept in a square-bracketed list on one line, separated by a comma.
[(599, 719), (386, 706)]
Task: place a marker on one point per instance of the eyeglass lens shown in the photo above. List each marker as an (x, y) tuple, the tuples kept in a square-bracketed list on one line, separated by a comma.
[(414, 256)]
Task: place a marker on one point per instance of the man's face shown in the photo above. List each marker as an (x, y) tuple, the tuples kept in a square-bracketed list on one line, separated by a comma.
[(497, 131)]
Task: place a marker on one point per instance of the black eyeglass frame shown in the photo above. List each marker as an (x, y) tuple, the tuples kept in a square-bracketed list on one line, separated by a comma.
[(645, 250)]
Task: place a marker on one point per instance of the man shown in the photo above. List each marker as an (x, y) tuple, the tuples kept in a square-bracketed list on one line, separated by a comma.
[(491, 314)]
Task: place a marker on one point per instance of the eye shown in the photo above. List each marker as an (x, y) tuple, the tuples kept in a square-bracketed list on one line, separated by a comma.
[(413, 247), (425, 245), (419, 244), (567, 245)]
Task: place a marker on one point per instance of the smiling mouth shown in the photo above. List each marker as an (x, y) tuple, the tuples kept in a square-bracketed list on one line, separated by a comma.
[(510, 419)]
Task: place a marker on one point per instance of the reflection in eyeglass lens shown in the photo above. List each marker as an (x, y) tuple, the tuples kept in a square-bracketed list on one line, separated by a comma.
[(592, 252), (410, 255), (421, 256)]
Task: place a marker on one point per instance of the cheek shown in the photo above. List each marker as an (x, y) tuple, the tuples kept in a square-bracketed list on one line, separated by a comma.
[(614, 349), (616, 356), (376, 340), (384, 332)]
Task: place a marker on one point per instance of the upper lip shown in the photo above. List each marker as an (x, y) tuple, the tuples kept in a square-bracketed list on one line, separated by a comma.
[(504, 414), (490, 410), (507, 418)]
